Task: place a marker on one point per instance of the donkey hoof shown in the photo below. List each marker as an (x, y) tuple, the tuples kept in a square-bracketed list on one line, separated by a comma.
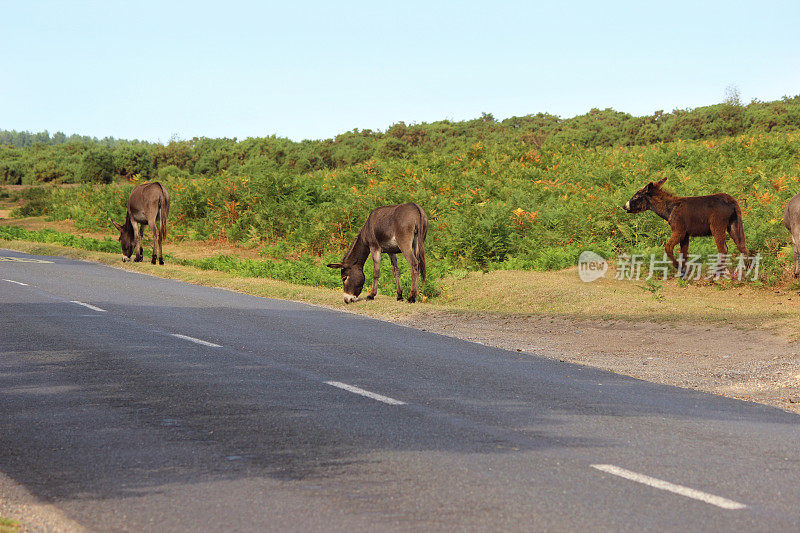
[(137, 259), (412, 299), (153, 261), (160, 260), (399, 296), (370, 296)]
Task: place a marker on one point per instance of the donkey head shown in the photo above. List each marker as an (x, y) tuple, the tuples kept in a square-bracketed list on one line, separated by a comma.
[(126, 238), (352, 279), (641, 200)]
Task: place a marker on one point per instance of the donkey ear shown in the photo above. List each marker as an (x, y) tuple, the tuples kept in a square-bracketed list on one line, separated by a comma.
[(660, 182), (118, 226), (335, 265)]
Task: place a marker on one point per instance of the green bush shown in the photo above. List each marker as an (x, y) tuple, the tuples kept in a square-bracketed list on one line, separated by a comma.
[(98, 165), (35, 201)]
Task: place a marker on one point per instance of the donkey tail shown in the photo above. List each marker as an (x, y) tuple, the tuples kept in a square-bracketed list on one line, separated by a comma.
[(737, 231), (420, 241), (421, 258), (163, 207)]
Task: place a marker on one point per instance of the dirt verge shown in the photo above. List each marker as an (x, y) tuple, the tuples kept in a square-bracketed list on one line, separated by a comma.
[(749, 365)]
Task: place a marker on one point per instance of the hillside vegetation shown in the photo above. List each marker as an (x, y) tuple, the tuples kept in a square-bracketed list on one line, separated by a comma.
[(523, 193)]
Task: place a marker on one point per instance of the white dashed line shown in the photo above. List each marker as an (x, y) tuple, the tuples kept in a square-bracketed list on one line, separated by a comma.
[(671, 487), (89, 306), (368, 394), (198, 341), (23, 260), (16, 282)]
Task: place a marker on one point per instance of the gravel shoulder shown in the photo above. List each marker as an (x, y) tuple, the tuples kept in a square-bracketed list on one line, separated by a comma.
[(33, 515), (751, 365)]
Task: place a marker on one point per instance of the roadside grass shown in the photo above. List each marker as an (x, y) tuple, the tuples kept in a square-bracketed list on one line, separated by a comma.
[(562, 293), (503, 292), (8, 526)]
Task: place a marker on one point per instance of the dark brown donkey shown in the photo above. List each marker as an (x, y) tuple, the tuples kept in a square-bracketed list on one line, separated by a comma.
[(147, 203), (692, 216), (390, 229)]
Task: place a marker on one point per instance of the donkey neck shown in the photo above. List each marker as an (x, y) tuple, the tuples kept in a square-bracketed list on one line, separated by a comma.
[(358, 252), (662, 203), (128, 226)]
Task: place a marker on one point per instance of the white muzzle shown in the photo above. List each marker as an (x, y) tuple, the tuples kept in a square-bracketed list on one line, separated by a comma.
[(349, 298)]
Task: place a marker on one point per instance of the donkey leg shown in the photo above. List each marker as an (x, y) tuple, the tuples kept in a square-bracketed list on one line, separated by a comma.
[(156, 243), (376, 272), (684, 257), (408, 253), (396, 273), (796, 260), (722, 249), (673, 241), (138, 243)]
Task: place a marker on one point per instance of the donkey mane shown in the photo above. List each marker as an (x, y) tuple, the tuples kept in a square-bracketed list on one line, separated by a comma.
[(127, 227), (662, 202), (358, 251)]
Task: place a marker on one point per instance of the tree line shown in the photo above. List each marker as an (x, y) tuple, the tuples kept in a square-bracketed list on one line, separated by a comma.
[(29, 158)]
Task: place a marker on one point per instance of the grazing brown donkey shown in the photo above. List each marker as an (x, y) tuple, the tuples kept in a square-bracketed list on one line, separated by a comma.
[(147, 203), (391, 229), (791, 219), (692, 216)]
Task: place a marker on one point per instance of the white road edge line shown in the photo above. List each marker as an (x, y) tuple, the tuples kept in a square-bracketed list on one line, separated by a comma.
[(93, 308), (198, 341), (362, 392), (671, 487), (17, 282)]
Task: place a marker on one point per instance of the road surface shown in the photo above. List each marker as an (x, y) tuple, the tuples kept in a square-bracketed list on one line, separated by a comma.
[(134, 403)]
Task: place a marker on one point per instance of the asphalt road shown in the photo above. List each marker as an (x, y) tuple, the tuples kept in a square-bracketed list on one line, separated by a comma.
[(133, 403)]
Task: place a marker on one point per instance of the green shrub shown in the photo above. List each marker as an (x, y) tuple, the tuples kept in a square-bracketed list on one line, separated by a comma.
[(98, 165), (35, 201)]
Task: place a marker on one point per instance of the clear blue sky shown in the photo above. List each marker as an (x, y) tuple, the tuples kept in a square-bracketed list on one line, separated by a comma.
[(307, 70)]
